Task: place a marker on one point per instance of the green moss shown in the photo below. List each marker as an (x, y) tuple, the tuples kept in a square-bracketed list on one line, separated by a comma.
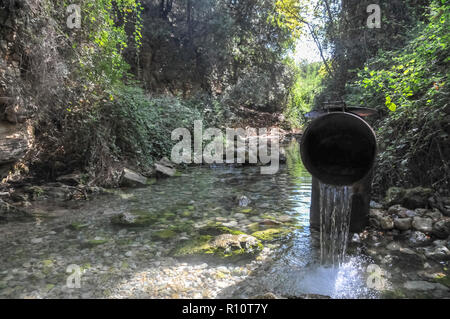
[(198, 245), (77, 226), (271, 234), (215, 229), (151, 181), (186, 214), (209, 245), (169, 215), (246, 210), (191, 207), (49, 287), (254, 227), (164, 234), (139, 218)]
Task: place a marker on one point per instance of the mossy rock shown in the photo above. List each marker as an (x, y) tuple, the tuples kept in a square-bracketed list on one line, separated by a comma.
[(218, 229), (134, 218), (223, 246), (186, 213), (169, 215), (94, 243), (246, 210), (271, 234), (164, 234)]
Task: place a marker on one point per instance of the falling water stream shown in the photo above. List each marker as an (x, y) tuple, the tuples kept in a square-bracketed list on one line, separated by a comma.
[(335, 204)]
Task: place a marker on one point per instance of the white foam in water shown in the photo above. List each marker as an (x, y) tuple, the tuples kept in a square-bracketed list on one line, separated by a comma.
[(344, 281)]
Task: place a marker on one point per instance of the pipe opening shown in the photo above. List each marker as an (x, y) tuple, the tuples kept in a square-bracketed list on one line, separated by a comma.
[(338, 148)]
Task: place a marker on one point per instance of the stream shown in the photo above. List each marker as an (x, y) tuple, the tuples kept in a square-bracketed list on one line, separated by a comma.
[(40, 257)]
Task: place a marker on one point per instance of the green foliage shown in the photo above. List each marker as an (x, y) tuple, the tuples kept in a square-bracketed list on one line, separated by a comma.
[(307, 85), (142, 126), (104, 25), (410, 86)]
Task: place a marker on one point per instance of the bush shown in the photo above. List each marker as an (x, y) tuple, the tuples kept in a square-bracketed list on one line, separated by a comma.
[(410, 87)]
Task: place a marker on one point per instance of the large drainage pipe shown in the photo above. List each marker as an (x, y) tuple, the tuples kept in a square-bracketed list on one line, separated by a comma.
[(339, 148)]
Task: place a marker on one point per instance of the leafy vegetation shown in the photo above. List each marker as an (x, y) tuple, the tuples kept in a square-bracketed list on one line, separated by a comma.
[(307, 85), (410, 87)]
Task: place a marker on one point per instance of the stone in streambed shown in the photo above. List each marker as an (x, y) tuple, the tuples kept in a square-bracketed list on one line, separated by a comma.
[(441, 229), (222, 246), (134, 218), (422, 224), (130, 178), (418, 238), (386, 223), (423, 285), (9, 212), (403, 223), (271, 234)]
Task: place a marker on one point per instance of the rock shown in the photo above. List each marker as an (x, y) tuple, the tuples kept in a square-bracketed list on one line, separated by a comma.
[(403, 223), (70, 179), (135, 218), (36, 240), (239, 216), (54, 191), (130, 178), (441, 229), (420, 285), (166, 162), (435, 214), (270, 222), (440, 253), (165, 171), (16, 114), (422, 224), (11, 213), (223, 246), (394, 195), (397, 210), (410, 198), (356, 238), (375, 205), (393, 246), (13, 146), (271, 234), (418, 238), (386, 223), (232, 223), (376, 213)]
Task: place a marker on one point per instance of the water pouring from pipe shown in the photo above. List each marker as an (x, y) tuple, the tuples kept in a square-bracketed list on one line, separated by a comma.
[(338, 149)]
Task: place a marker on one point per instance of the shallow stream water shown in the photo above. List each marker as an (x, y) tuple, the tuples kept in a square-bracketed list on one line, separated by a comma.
[(115, 262)]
